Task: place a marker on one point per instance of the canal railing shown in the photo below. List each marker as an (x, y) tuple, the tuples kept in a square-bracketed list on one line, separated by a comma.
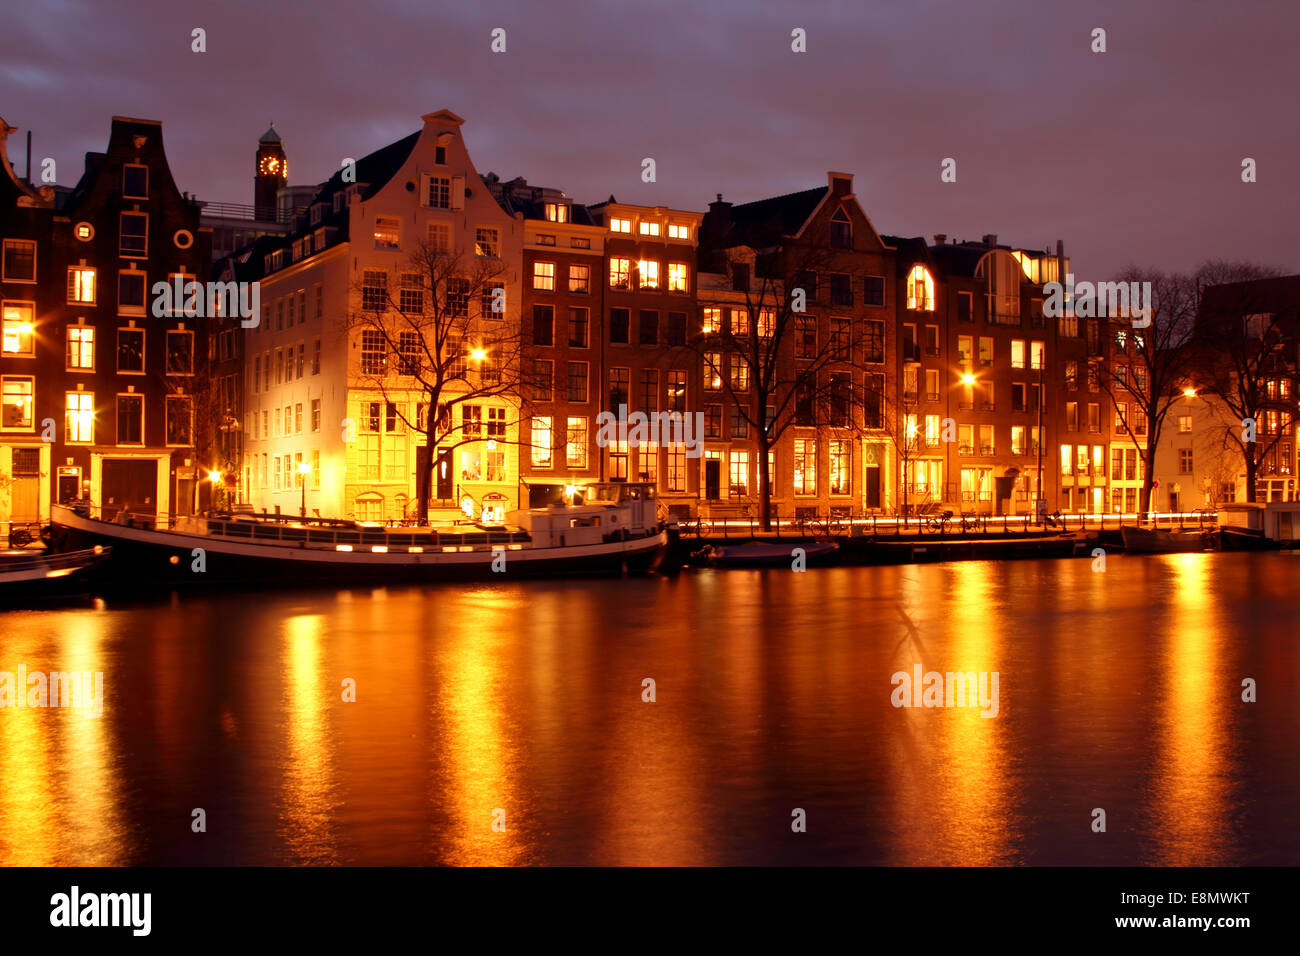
[(947, 524), (322, 533)]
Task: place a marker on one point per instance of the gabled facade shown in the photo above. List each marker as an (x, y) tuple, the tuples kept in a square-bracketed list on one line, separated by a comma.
[(105, 395), (837, 455), (329, 405)]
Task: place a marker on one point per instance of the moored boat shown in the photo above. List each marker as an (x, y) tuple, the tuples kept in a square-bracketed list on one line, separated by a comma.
[(1245, 539), (615, 530), (1162, 541), (25, 575), (767, 554)]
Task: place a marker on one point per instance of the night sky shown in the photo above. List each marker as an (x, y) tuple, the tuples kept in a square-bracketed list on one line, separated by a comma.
[(1132, 156)]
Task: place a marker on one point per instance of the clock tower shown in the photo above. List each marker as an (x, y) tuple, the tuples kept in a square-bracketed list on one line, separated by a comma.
[(272, 174)]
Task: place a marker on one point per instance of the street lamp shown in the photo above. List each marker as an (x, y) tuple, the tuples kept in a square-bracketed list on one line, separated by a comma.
[(1189, 393), (478, 355), (304, 469), (968, 379)]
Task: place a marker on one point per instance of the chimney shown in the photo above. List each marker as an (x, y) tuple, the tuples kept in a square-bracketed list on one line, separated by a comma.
[(991, 239), (939, 238)]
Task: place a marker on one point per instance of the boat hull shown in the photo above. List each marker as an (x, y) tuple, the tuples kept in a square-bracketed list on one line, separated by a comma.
[(142, 557), (1156, 541), (35, 577)]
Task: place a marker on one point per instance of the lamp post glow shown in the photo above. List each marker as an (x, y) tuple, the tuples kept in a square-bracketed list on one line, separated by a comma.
[(968, 379), (304, 469), (1189, 393), (478, 355)]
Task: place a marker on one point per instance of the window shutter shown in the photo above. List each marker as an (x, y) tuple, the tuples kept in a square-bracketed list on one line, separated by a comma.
[(458, 192)]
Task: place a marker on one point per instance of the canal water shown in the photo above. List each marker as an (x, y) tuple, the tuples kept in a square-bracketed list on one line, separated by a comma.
[(507, 723)]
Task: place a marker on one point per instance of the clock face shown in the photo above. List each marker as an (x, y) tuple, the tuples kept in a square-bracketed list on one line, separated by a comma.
[(274, 167)]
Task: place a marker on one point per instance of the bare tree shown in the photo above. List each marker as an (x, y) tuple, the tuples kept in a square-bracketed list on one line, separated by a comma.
[(440, 326), (1246, 346), (784, 366), (1150, 365)]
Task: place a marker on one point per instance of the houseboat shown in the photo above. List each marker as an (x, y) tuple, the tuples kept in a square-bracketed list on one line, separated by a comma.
[(32, 575), (601, 529)]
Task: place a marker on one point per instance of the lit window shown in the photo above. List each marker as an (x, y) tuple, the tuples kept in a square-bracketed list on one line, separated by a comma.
[(647, 274), (388, 232), (713, 370), (649, 228), (575, 448), (620, 225), (620, 273), (805, 466), (920, 289), (79, 424), (678, 232), (81, 346), (676, 277), (544, 276), (541, 454), (557, 211), (16, 392), (18, 327), (84, 231), (81, 285), (579, 279)]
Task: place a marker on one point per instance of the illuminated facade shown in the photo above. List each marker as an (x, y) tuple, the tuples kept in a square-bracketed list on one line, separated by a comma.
[(327, 403), (104, 400), (563, 293)]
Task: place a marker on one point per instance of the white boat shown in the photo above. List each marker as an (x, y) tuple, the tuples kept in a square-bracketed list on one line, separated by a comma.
[(615, 529)]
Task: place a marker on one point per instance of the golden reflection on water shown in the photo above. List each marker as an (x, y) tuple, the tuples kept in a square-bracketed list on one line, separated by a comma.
[(475, 739), (1190, 780), (954, 802), (305, 819), (59, 787)]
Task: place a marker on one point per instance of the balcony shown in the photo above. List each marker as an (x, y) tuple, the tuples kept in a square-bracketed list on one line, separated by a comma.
[(909, 398), (932, 350), (985, 361), (965, 450), (988, 406), (911, 353), (965, 406), (986, 451), (931, 396)]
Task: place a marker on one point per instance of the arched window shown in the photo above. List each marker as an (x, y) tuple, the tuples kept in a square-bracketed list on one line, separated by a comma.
[(920, 289), (841, 230), (1002, 272)]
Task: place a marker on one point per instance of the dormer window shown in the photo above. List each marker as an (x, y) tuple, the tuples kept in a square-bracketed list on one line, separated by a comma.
[(620, 225), (676, 231), (557, 211), (338, 201), (315, 214), (649, 228), (841, 230)]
